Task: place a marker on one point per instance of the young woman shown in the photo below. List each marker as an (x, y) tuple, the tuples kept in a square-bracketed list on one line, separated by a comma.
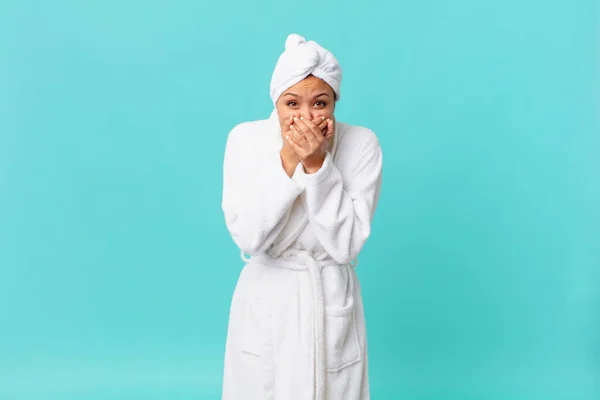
[(299, 193)]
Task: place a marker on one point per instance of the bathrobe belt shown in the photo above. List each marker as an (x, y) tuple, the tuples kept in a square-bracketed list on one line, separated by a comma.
[(301, 260)]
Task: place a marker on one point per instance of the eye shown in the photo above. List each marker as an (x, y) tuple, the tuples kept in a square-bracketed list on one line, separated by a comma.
[(292, 104), (322, 103)]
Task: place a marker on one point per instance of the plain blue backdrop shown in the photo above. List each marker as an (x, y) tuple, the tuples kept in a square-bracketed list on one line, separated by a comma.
[(482, 276)]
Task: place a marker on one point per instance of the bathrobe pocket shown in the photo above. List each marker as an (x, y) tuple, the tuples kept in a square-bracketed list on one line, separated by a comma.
[(341, 337), (251, 338)]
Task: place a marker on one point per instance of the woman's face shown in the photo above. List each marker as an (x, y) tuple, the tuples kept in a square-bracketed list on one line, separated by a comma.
[(310, 98)]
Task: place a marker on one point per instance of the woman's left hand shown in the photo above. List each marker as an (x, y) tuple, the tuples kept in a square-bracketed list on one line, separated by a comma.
[(310, 143)]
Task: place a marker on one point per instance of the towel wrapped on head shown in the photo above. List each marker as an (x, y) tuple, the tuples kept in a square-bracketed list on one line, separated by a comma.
[(301, 59)]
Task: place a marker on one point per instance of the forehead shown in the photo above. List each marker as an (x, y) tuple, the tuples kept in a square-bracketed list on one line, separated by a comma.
[(309, 84)]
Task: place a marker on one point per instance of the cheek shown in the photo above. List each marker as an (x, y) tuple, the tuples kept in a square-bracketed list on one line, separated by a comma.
[(326, 112), (282, 114), (283, 117)]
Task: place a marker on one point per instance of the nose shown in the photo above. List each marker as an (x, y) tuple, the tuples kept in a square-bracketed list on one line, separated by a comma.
[(307, 113)]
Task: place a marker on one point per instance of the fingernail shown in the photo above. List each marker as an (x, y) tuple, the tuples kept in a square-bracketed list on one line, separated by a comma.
[(295, 119), (291, 126), (287, 137), (301, 117), (323, 117)]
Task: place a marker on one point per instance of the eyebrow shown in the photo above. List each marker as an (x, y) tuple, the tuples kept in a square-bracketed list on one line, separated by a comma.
[(297, 95)]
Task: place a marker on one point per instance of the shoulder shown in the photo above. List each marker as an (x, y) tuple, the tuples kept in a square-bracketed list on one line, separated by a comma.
[(247, 138), (356, 148), (357, 137), (246, 130)]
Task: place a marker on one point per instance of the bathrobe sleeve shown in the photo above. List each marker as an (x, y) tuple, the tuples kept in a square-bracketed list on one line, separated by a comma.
[(257, 193), (340, 209)]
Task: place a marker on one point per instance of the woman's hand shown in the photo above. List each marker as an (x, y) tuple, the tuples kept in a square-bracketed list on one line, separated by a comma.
[(310, 139)]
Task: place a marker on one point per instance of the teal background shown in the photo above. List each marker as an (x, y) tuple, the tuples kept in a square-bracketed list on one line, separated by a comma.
[(482, 276)]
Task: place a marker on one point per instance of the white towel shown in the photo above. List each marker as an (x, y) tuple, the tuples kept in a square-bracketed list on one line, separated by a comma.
[(301, 59)]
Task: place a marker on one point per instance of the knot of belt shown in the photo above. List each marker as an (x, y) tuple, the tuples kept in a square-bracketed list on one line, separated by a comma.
[(301, 260)]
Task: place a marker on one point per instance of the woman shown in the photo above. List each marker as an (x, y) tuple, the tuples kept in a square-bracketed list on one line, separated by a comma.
[(299, 193)]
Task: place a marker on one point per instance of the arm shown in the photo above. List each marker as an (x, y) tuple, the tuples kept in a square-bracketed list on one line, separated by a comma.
[(257, 195), (340, 212)]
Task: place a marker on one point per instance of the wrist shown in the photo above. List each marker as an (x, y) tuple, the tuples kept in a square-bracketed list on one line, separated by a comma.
[(288, 162), (287, 152), (313, 167)]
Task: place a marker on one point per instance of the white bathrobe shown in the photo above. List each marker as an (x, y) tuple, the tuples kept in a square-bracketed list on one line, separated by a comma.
[(297, 328)]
